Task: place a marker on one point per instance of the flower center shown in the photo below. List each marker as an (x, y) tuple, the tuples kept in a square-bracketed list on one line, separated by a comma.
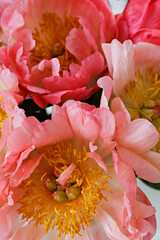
[(50, 40), (3, 116), (142, 98), (67, 206)]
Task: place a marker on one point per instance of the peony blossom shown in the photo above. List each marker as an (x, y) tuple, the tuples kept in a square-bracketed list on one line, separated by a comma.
[(55, 48), (140, 22), (60, 178), (135, 72)]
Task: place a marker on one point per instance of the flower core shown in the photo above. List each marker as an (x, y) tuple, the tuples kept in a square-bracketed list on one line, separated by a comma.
[(83, 190), (142, 98), (3, 116), (50, 40)]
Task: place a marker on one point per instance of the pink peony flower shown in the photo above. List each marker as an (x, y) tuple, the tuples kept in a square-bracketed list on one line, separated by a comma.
[(55, 49), (60, 178), (135, 72), (140, 22)]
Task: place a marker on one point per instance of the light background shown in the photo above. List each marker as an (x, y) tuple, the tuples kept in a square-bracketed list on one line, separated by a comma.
[(152, 194)]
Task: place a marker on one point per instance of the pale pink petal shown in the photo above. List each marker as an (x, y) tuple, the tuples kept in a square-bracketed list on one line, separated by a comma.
[(146, 56), (98, 159), (66, 174), (117, 105), (29, 230), (106, 84), (153, 158), (107, 123), (143, 168), (109, 225), (11, 20), (139, 135), (126, 177), (122, 62), (9, 79)]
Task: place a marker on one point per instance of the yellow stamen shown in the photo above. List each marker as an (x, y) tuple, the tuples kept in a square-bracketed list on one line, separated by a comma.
[(50, 40), (142, 98), (3, 116), (88, 181)]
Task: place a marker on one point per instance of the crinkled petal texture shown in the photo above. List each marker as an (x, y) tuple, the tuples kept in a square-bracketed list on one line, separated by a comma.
[(140, 22), (57, 54)]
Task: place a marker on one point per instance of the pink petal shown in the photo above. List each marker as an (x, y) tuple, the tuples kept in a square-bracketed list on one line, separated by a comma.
[(126, 176), (117, 105), (66, 174), (76, 42), (139, 135), (52, 131), (25, 170), (106, 121), (143, 168), (20, 138), (98, 159), (124, 72), (106, 84), (34, 233)]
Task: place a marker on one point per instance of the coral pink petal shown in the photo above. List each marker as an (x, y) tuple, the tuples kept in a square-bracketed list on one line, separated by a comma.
[(66, 174), (148, 35), (98, 159), (117, 105), (76, 42), (143, 168), (140, 15), (106, 84), (24, 171), (52, 131), (126, 177), (91, 66), (139, 135), (20, 138), (90, 128), (107, 123)]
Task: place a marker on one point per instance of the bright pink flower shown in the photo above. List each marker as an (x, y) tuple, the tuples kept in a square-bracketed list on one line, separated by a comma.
[(140, 22), (136, 79), (55, 49), (58, 171)]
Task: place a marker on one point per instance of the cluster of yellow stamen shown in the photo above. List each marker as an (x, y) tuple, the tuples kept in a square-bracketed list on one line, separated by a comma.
[(50, 40), (3, 116), (142, 98), (38, 203)]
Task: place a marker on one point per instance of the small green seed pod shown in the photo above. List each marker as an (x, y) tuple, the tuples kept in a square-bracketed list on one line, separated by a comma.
[(51, 186), (73, 193), (60, 196)]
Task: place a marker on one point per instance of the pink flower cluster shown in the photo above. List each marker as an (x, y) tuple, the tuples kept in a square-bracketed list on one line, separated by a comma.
[(73, 175)]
